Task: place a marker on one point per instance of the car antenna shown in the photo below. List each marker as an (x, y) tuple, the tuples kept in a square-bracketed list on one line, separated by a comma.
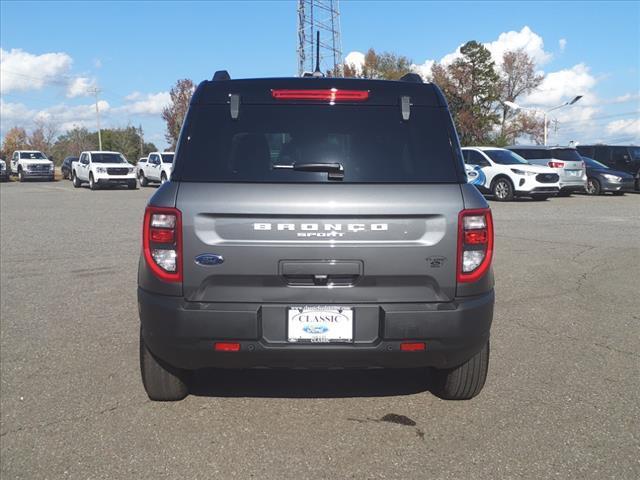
[(317, 72)]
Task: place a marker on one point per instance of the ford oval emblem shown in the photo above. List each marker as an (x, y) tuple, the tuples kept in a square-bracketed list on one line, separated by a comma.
[(208, 259), (315, 328)]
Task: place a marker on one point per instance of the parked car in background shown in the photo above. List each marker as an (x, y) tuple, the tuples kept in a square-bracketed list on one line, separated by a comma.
[(103, 169), (601, 179), (157, 168), (565, 161), (506, 175), (66, 167), (316, 223), (28, 164), (4, 172), (624, 158)]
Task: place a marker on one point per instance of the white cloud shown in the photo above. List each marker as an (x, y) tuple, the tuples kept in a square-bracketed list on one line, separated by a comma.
[(562, 43), (80, 87), (133, 96), (150, 104), (621, 128), (563, 85), (15, 114), (355, 60), (526, 40), (424, 70), (23, 71), (97, 63)]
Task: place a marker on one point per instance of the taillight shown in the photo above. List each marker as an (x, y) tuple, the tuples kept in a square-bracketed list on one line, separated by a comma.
[(326, 95), (556, 164), (475, 244), (162, 242)]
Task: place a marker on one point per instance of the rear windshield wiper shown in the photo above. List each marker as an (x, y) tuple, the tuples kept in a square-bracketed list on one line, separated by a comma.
[(335, 171)]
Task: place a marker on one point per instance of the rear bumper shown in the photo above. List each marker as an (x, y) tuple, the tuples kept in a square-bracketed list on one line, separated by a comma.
[(572, 187), (183, 334)]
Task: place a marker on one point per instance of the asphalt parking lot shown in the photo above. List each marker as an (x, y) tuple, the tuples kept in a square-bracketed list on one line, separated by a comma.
[(562, 399)]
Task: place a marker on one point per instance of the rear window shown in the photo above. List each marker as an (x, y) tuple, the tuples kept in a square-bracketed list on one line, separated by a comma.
[(567, 154), (372, 143)]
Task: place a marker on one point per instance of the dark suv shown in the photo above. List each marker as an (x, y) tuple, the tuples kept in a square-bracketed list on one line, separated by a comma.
[(316, 223), (625, 158)]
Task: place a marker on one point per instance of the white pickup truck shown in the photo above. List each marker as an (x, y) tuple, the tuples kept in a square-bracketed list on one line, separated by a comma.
[(103, 168), (31, 164), (156, 168)]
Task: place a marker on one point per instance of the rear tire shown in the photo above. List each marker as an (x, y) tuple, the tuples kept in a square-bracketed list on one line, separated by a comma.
[(463, 382), (162, 382), (132, 185), (593, 186), (502, 190)]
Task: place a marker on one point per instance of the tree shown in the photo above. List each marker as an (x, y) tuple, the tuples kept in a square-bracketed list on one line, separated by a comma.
[(15, 139), (43, 136), (174, 113), (472, 86), (518, 78), (126, 141), (74, 141), (386, 66)]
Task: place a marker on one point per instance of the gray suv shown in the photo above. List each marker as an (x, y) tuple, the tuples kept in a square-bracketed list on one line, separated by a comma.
[(316, 223)]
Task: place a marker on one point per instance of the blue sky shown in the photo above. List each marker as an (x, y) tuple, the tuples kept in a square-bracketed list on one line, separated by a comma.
[(135, 51)]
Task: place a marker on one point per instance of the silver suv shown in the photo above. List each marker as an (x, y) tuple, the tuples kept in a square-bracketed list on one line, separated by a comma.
[(316, 223), (566, 161)]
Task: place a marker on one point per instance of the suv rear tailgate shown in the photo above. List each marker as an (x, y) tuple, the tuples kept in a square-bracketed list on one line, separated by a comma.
[(320, 243)]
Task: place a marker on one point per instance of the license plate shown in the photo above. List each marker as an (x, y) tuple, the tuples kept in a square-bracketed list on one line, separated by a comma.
[(320, 324), (575, 173)]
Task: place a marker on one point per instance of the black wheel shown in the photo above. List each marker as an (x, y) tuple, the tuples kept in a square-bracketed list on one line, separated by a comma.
[(463, 382), (143, 180), (93, 185), (132, 185), (593, 186), (161, 381), (502, 190), (74, 180), (163, 178), (21, 177)]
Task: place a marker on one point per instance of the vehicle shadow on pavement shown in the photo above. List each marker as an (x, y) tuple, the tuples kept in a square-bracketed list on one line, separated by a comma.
[(274, 383)]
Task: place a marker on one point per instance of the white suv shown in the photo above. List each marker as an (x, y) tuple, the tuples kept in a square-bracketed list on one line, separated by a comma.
[(505, 175), (31, 164), (157, 168), (103, 168)]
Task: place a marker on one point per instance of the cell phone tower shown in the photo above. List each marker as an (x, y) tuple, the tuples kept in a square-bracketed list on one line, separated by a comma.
[(319, 16)]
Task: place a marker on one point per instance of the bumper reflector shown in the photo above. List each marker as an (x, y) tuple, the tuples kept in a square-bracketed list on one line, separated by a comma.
[(413, 346), (227, 347)]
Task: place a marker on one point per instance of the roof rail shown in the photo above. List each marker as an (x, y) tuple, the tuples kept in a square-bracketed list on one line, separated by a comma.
[(221, 75), (411, 77)]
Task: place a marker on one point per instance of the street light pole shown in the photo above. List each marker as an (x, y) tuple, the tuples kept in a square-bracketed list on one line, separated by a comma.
[(95, 92), (515, 106)]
